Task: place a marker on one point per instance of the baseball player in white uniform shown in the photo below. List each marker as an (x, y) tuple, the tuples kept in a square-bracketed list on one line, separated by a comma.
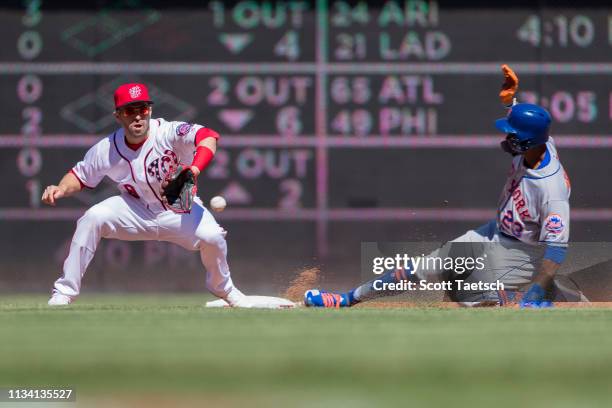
[(138, 157), (522, 248)]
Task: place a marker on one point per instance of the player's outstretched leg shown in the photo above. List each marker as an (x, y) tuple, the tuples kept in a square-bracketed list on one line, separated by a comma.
[(89, 231), (111, 218), (366, 291)]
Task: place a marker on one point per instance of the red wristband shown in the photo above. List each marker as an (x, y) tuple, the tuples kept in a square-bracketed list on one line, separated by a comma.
[(203, 157)]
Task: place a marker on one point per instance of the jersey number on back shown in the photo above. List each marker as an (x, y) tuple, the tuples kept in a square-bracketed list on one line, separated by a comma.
[(513, 227)]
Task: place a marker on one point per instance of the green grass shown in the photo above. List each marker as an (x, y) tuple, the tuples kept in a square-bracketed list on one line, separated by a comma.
[(171, 346)]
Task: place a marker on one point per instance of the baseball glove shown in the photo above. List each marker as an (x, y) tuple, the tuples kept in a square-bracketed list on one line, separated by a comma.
[(178, 189)]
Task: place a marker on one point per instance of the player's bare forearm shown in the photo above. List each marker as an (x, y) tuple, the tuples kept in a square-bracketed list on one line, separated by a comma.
[(548, 270), (68, 185)]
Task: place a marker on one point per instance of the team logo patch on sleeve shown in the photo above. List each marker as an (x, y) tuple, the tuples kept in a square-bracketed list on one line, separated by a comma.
[(554, 224), (183, 129)]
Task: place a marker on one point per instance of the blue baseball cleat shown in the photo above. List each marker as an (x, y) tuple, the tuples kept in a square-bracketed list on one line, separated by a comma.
[(320, 298)]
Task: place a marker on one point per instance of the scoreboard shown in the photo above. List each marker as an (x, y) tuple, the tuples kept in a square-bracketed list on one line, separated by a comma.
[(330, 111)]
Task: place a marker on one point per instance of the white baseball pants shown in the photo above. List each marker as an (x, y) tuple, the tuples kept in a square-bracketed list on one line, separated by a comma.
[(126, 218)]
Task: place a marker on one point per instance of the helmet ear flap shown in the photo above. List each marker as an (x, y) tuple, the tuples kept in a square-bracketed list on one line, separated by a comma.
[(506, 147), (514, 145)]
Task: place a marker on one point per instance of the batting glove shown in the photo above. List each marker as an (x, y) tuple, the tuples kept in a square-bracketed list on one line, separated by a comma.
[(509, 87), (534, 298)]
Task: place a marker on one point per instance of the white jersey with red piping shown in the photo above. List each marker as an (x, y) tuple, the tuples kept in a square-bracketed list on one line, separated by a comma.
[(140, 172)]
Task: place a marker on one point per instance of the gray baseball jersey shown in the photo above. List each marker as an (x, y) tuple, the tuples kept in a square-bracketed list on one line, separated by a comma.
[(534, 204)]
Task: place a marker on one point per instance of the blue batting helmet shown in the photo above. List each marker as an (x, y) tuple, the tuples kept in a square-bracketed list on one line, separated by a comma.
[(526, 126)]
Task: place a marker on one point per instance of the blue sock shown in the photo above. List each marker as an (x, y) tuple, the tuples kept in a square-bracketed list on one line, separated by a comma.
[(349, 298)]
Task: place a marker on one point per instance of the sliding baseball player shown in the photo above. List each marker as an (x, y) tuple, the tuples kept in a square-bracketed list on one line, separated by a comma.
[(522, 248), (157, 196)]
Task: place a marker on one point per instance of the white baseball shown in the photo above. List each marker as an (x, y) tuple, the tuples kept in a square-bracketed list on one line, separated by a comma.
[(218, 203)]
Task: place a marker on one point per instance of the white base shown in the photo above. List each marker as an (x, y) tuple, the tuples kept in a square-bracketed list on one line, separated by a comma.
[(258, 302)]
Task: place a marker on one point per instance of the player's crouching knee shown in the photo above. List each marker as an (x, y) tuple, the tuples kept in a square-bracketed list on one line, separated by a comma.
[(96, 216), (211, 236)]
